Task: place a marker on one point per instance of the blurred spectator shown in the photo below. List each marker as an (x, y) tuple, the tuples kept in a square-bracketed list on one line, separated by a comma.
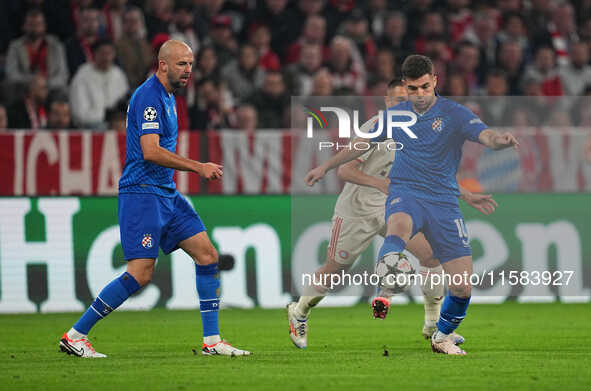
[(322, 83), (96, 87), (207, 64), (260, 38), (385, 69), (561, 32), (558, 119), (300, 12), (346, 66), (271, 102), (415, 12), (514, 29), (183, 26), (576, 76), (30, 112), (209, 111), (275, 15), (355, 28), (431, 24), (459, 18), (539, 16), (116, 119), (466, 62), (222, 39), (336, 13), (133, 50), (482, 33), (497, 103), (246, 118), (244, 74), (511, 61), (159, 14), (395, 38), (112, 15), (456, 85), (36, 52), (3, 118), (59, 115), (376, 9), (545, 72), (300, 75), (437, 48), (314, 33), (78, 48)]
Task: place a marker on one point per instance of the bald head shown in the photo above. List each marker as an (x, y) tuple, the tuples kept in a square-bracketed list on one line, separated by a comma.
[(175, 63), (173, 49)]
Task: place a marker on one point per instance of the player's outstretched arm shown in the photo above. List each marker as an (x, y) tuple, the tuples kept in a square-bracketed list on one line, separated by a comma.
[(496, 140), (154, 153), (350, 172), (483, 203), (344, 156)]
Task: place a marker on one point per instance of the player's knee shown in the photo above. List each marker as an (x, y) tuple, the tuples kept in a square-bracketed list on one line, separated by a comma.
[(462, 290), (208, 257)]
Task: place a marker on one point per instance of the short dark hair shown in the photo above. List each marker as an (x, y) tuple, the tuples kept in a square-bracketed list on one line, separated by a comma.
[(397, 82), (100, 43), (416, 66)]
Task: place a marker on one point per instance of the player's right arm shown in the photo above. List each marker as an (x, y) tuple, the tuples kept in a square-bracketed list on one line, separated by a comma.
[(350, 172), (344, 156), (154, 153)]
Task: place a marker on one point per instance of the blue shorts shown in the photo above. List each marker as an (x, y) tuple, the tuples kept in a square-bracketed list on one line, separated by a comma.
[(441, 222), (148, 221)]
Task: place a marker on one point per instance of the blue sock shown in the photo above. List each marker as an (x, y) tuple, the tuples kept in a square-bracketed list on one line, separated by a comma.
[(111, 297), (453, 311), (208, 284), (392, 244)]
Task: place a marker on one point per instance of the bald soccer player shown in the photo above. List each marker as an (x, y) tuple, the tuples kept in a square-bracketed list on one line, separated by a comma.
[(152, 213)]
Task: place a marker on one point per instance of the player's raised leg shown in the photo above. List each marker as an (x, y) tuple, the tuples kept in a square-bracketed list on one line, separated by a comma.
[(455, 304), (399, 229), (200, 248)]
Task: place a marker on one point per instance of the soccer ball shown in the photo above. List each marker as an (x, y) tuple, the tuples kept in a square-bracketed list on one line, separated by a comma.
[(394, 271)]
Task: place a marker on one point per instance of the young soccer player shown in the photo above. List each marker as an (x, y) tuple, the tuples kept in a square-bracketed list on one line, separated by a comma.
[(423, 192), (152, 213), (358, 218)]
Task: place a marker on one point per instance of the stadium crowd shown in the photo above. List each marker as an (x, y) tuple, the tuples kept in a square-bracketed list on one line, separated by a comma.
[(74, 63)]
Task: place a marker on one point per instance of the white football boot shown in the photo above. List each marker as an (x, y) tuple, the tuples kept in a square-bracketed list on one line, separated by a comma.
[(79, 347), (429, 330), (223, 348), (446, 347), (298, 327)]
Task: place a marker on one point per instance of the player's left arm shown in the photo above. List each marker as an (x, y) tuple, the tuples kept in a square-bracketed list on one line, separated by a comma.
[(474, 129), (496, 140), (483, 203)]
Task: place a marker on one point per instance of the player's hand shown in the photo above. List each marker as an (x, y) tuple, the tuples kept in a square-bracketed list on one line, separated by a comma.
[(506, 140), (383, 185), (314, 175), (481, 202), (210, 171)]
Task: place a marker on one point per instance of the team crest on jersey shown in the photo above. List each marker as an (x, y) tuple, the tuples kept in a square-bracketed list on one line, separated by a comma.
[(147, 241), (150, 114), (437, 124)]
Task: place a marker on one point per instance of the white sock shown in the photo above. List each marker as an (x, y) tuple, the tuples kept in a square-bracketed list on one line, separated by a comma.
[(211, 339), (73, 334), (305, 304), (432, 288), (439, 336)]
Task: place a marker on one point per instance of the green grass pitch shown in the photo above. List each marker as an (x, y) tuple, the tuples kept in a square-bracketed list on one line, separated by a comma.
[(510, 347)]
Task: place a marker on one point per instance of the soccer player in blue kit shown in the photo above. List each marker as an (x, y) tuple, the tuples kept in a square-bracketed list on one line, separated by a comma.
[(423, 191), (152, 213)]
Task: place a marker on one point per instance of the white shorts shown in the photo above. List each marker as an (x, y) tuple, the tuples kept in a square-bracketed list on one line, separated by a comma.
[(351, 236)]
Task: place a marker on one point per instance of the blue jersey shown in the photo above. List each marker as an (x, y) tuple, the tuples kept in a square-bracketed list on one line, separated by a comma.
[(151, 110), (426, 166)]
